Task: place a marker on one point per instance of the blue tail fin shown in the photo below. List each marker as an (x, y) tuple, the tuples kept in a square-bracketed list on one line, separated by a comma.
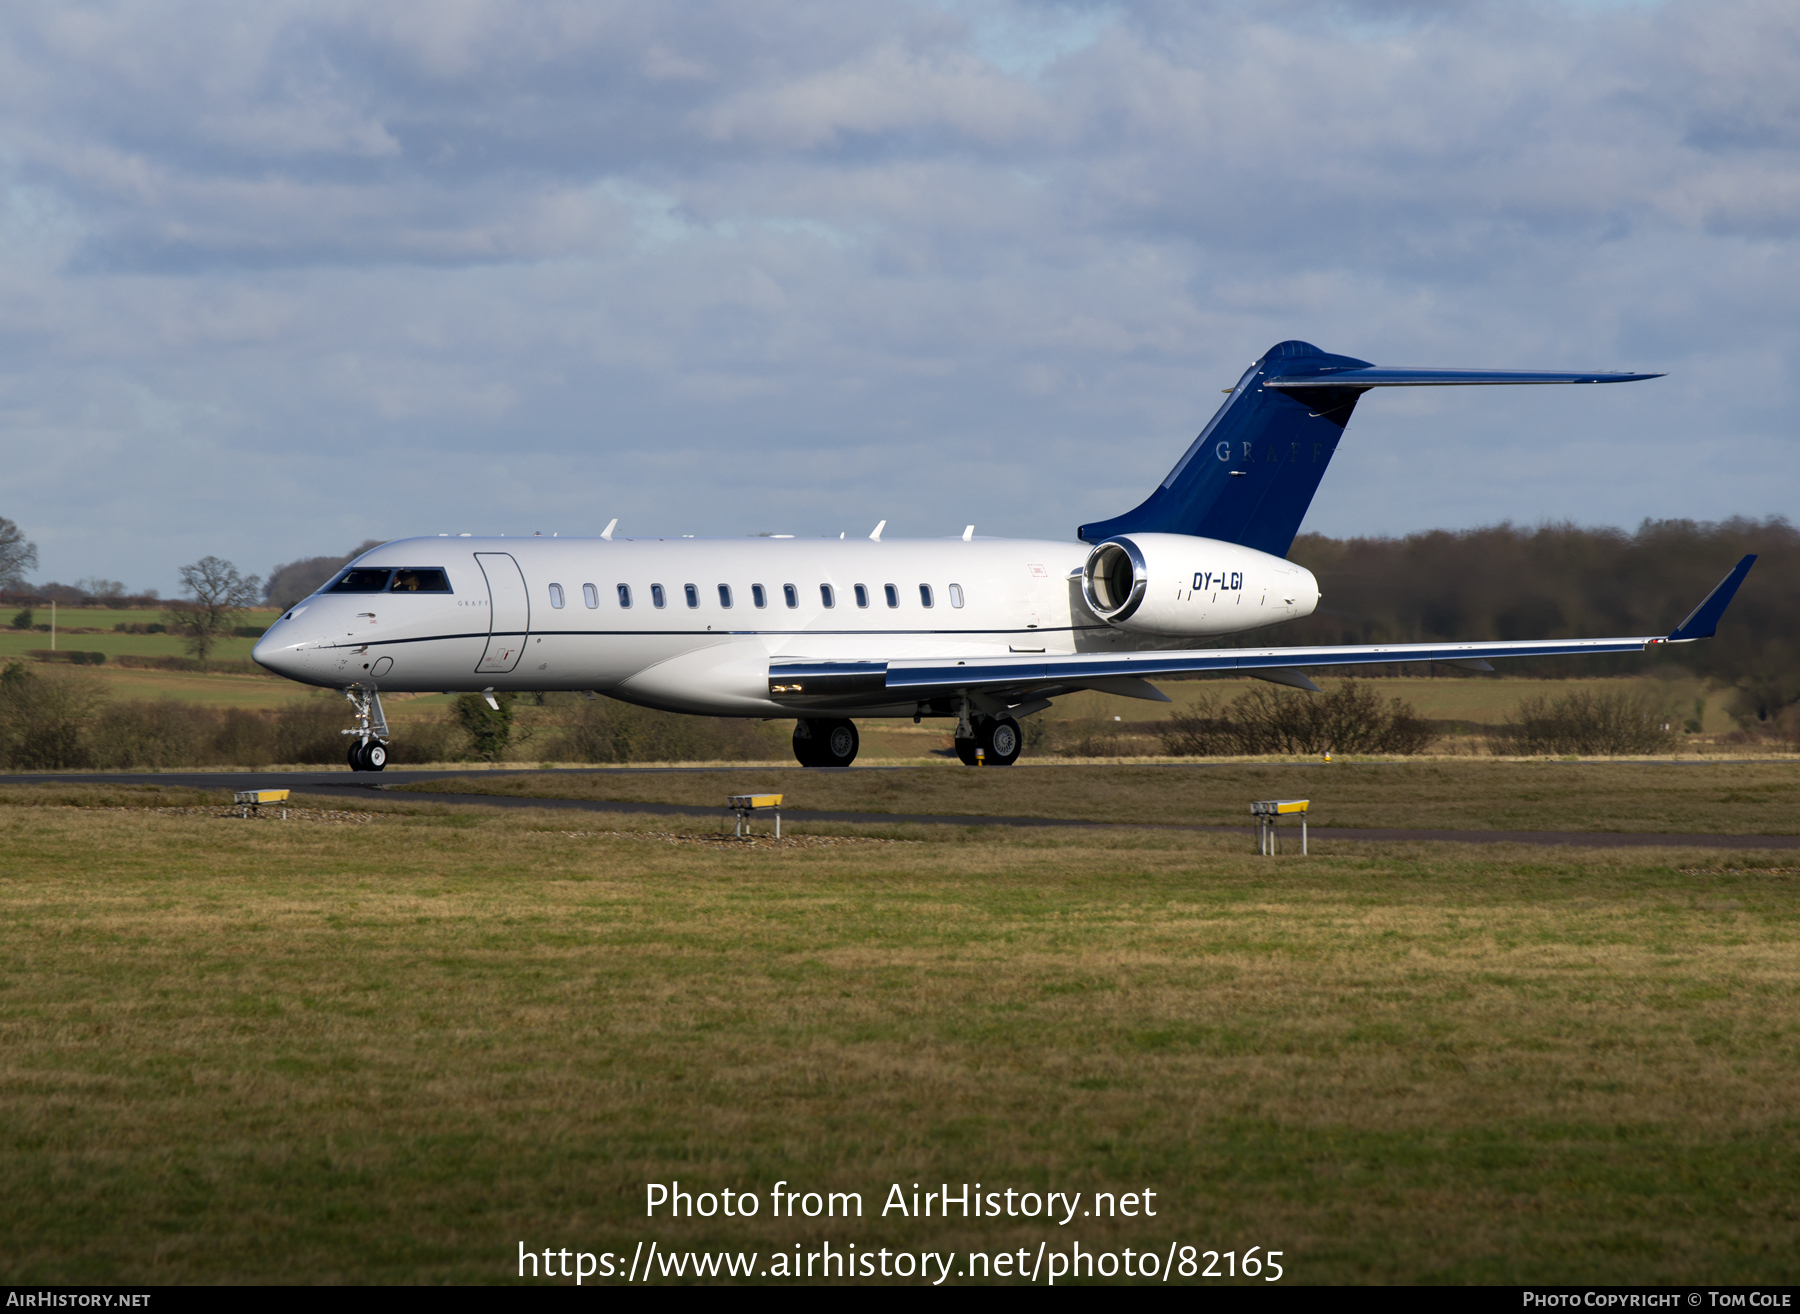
[(1252, 472)]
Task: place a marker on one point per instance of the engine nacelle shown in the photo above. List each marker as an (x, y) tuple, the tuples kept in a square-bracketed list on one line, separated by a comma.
[(1176, 584)]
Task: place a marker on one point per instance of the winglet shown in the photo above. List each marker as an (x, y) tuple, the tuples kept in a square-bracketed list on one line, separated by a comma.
[(1703, 621)]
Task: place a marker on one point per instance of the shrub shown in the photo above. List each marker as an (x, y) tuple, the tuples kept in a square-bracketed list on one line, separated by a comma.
[(1616, 721), (226, 667), (1349, 719), (23, 619), (489, 728), (155, 733), (1100, 737), (606, 730), (70, 655), (1205, 731), (57, 720), (44, 718), (309, 730), (438, 740)]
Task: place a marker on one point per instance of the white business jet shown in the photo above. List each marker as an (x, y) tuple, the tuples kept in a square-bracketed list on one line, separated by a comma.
[(981, 630)]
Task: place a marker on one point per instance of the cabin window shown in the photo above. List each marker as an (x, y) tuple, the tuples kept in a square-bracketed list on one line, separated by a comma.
[(590, 595), (362, 580), (725, 595), (420, 581), (893, 595), (693, 595), (956, 598), (862, 596), (759, 595), (826, 596), (924, 595), (790, 595), (624, 595), (556, 596), (657, 598)]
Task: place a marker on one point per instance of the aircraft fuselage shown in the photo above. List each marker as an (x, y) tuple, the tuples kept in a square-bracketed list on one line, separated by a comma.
[(690, 625)]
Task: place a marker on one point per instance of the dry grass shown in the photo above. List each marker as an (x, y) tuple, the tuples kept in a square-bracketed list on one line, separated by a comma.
[(391, 1052), (1745, 798)]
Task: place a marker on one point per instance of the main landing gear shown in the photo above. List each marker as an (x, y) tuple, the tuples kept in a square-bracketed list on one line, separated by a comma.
[(368, 751), (996, 738), (980, 739), (985, 740), (822, 743)]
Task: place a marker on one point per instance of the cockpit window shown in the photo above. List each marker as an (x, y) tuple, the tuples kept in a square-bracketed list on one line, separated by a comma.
[(408, 579), (420, 579), (360, 581)]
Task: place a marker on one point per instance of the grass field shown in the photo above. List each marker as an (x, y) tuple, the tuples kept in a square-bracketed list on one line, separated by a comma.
[(213, 689), (1738, 798), (92, 631), (393, 1046)]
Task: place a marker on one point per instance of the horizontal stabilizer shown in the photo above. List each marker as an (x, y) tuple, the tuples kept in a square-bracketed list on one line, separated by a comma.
[(1373, 377), (1250, 475)]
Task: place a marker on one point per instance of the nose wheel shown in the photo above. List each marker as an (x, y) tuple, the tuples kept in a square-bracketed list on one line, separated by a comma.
[(368, 748)]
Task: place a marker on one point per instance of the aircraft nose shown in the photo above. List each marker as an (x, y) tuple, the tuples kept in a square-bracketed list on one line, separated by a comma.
[(279, 650)]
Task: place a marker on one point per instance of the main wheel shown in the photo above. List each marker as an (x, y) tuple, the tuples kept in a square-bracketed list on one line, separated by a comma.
[(965, 752), (836, 743), (1000, 740), (375, 756), (806, 742), (356, 756)]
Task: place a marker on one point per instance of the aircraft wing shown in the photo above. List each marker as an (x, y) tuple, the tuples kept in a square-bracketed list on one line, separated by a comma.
[(1023, 678)]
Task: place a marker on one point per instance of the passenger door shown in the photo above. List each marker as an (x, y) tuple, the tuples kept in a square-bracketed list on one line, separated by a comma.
[(509, 612)]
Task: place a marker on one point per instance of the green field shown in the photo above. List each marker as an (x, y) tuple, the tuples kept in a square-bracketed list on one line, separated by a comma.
[(1735, 798), (216, 689), (91, 630), (392, 1047)]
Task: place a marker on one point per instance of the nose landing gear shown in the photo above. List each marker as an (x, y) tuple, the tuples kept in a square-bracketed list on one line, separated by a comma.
[(825, 743), (369, 750)]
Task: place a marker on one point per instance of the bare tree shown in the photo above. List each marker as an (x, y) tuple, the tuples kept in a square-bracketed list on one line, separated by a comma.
[(16, 555), (100, 590), (216, 596)]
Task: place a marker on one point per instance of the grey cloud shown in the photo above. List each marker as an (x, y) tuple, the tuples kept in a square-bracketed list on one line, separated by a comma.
[(787, 265)]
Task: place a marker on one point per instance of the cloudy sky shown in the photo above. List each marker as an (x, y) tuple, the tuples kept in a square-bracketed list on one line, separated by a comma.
[(277, 278)]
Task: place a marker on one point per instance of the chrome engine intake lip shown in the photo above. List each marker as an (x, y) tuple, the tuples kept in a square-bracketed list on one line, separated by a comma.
[(1102, 582)]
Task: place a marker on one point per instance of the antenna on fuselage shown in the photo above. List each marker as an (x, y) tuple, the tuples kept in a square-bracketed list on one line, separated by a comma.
[(968, 533), (610, 526), (876, 536)]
